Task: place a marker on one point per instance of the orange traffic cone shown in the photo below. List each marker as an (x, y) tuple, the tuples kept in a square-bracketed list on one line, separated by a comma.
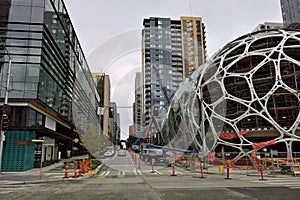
[(66, 170), (80, 168), (75, 170), (91, 165)]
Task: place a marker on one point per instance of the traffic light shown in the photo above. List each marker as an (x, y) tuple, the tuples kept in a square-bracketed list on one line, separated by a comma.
[(111, 112), (4, 122)]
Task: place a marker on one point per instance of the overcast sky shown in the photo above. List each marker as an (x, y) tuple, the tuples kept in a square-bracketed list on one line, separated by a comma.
[(109, 33)]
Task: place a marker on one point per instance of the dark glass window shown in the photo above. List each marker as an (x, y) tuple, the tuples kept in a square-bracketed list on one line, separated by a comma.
[(18, 73), (21, 2), (38, 3), (19, 14), (37, 14)]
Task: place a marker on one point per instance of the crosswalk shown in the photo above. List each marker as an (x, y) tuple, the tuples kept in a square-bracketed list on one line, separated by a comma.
[(109, 173), (282, 182)]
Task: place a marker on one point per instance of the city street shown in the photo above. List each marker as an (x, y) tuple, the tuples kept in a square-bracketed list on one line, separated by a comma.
[(123, 178)]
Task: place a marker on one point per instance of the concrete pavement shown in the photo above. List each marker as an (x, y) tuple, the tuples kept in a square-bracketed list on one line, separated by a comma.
[(54, 172)]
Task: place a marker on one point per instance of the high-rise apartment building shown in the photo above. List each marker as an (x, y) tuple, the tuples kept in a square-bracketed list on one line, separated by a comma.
[(193, 44), (171, 51), (138, 105), (290, 13), (51, 94)]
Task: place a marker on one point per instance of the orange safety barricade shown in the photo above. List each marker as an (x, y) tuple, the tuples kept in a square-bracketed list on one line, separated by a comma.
[(80, 169), (91, 164), (85, 166), (66, 170), (75, 170)]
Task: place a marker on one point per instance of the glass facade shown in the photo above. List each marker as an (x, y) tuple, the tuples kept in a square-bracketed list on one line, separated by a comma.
[(162, 62), (50, 77), (290, 13), (172, 50)]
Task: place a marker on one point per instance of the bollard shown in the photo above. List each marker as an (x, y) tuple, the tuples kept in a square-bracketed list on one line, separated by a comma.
[(227, 170), (173, 170), (139, 163), (80, 169), (152, 163), (201, 170), (75, 170), (261, 173), (66, 170)]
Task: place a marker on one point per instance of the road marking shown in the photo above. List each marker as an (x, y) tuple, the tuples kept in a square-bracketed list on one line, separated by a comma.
[(176, 172), (139, 172), (285, 184), (102, 174), (5, 192), (295, 188)]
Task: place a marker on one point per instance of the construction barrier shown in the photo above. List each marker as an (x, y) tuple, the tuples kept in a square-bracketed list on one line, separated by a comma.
[(139, 162), (75, 170), (152, 163), (66, 170), (91, 164), (201, 170), (228, 167), (80, 169), (85, 166), (173, 170)]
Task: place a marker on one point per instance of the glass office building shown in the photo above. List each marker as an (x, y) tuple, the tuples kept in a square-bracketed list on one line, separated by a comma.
[(51, 94)]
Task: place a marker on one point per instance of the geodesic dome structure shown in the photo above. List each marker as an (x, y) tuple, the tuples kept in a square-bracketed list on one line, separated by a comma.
[(245, 98)]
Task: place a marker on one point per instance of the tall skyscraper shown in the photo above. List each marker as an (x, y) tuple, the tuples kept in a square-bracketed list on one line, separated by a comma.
[(171, 51), (290, 13), (137, 118), (193, 44)]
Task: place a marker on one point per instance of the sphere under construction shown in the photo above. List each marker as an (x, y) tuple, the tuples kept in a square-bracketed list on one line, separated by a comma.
[(245, 98)]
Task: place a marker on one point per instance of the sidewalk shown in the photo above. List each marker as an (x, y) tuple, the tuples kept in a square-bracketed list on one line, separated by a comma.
[(214, 169), (54, 172)]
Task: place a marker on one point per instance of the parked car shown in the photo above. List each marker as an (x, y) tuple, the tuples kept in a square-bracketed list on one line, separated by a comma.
[(122, 152), (160, 156), (108, 154)]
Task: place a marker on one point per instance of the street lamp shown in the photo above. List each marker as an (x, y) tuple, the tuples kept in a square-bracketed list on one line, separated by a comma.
[(2, 137)]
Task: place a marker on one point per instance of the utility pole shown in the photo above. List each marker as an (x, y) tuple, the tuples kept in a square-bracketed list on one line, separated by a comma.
[(2, 136)]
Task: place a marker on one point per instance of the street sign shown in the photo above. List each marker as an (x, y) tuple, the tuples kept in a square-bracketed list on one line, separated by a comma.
[(34, 140)]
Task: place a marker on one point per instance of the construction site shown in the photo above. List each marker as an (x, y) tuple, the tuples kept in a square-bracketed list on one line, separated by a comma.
[(243, 104)]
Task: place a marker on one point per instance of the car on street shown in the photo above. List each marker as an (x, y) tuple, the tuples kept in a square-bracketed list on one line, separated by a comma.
[(108, 154), (160, 156), (122, 152)]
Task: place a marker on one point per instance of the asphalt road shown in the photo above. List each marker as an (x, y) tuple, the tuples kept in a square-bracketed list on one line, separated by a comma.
[(154, 187)]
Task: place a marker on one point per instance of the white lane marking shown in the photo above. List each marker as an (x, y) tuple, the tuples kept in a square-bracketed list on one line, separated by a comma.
[(102, 174), (176, 172)]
